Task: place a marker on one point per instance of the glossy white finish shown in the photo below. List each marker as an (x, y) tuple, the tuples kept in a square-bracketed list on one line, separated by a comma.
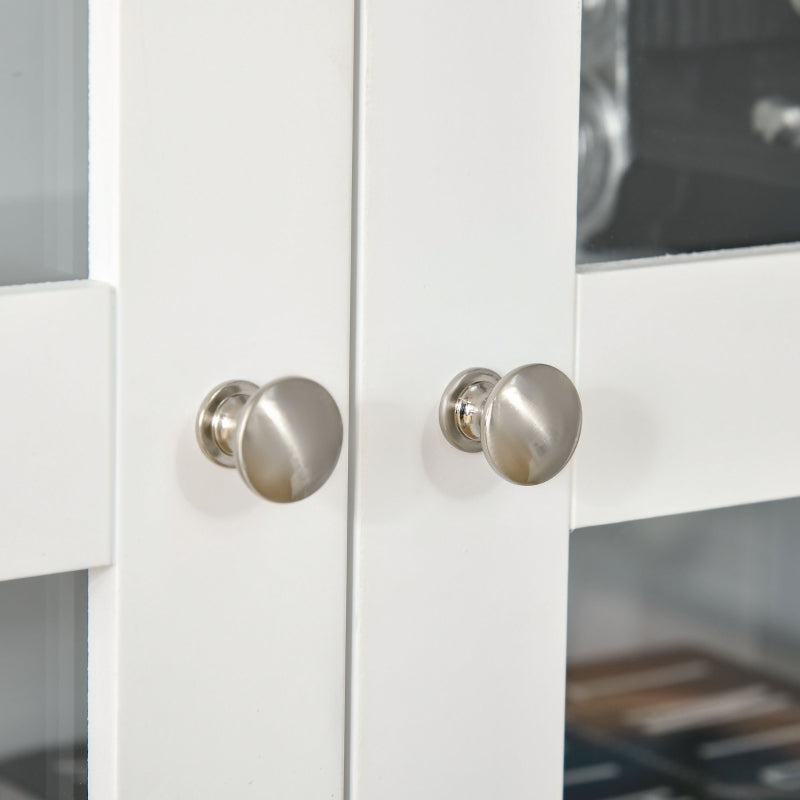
[(468, 136), (217, 639), (689, 381), (56, 440)]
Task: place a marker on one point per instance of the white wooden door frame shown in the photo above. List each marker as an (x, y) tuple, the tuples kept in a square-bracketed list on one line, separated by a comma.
[(467, 172), (58, 370), (685, 368), (221, 143)]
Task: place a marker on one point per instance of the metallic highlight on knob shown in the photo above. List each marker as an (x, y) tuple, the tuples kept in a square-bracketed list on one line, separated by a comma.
[(527, 423), (284, 438)]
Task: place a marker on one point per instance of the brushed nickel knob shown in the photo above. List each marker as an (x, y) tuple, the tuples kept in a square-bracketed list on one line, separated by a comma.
[(527, 423), (284, 438)]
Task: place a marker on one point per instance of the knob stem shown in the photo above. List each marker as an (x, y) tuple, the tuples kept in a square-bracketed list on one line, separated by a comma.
[(218, 419), (225, 421), (469, 406), (462, 405)]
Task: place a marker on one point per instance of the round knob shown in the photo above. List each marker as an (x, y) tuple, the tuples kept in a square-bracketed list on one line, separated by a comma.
[(527, 423), (284, 438)]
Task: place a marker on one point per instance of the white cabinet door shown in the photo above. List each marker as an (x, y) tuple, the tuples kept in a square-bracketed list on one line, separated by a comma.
[(217, 637), (468, 146), (218, 241)]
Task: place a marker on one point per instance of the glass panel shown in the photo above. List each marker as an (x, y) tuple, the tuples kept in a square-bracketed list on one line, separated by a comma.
[(683, 676), (43, 688), (43, 140), (690, 126)]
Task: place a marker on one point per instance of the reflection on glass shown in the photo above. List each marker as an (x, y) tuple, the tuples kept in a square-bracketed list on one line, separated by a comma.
[(43, 140), (683, 676), (690, 126), (43, 688)]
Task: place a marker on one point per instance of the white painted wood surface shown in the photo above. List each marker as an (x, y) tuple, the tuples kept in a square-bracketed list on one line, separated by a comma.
[(57, 371), (468, 136), (217, 639), (689, 383)]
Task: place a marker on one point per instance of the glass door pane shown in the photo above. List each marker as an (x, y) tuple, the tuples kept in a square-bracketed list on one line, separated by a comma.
[(43, 688), (683, 676), (43, 140), (690, 126)]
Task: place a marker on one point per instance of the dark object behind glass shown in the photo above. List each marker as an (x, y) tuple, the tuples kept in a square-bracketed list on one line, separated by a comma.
[(690, 126)]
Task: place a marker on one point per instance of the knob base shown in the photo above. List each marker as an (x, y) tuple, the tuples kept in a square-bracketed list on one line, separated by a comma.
[(218, 417), (461, 407)]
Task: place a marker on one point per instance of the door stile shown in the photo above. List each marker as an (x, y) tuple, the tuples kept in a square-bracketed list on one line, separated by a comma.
[(465, 259), (217, 638)]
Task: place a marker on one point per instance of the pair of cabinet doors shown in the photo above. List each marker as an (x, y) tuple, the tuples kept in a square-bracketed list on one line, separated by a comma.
[(375, 198)]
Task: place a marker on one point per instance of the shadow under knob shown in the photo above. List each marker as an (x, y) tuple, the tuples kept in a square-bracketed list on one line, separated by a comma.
[(283, 438), (527, 423)]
